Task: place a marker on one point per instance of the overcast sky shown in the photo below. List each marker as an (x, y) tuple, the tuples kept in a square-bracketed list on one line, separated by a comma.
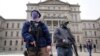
[(16, 9)]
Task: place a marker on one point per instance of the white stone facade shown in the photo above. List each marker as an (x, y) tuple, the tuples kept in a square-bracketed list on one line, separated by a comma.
[(54, 12)]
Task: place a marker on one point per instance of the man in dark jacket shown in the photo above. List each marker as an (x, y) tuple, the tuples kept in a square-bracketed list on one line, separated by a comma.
[(36, 35), (89, 47), (64, 41)]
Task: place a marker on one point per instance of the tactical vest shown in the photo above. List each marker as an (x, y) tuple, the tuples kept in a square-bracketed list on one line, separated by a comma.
[(36, 31)]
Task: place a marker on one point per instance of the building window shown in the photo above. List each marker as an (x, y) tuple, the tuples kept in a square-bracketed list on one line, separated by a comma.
[(31, 7), (85, 33), (84, 25), (89, 26), (53, 8), (96, 41), (12, 25), (21, 49), (15, 49), (95, 33), (6, 33), (16, 42), (90, 33), (74, 9), (91, 40), (59, 8), (76, 16), (93, 25), (11, 33), (48, 23), (17, 33), (3, 49), (5, 43), (99, 26), (10, 42), (55, 23), (9, 49), (18, 25), (7, 25), (49, 8), (72, 16)]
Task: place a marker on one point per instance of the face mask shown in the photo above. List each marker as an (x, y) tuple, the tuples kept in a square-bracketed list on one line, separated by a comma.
[(35, 15)]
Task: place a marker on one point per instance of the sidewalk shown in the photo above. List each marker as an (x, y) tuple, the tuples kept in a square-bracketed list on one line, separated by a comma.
[(20, 53), (54, 54)]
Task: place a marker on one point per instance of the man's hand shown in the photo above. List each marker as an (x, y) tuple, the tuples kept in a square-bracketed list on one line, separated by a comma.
[(33, 43)]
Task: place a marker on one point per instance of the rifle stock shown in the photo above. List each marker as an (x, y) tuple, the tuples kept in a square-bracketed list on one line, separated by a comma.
[(75, 49)]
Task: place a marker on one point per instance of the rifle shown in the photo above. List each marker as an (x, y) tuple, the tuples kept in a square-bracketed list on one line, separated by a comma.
[(71, 38)]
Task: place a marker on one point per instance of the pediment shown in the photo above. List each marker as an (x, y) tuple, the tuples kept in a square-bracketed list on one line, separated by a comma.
[(54, 2)]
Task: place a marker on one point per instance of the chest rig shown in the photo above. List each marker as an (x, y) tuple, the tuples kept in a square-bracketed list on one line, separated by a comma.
[(36, 31)]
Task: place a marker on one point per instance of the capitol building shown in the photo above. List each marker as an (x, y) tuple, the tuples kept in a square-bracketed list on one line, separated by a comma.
[(54, 12)]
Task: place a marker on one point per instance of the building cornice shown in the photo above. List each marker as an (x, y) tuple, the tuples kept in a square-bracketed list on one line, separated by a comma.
[(75, 11), (47, 10), (88, 20), (75, 5), (90, 37), (15, 19), (32, 4), (89, 29), (76, 22)]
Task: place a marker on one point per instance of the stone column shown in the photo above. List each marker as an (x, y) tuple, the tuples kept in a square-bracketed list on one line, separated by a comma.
[(58, 23)]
